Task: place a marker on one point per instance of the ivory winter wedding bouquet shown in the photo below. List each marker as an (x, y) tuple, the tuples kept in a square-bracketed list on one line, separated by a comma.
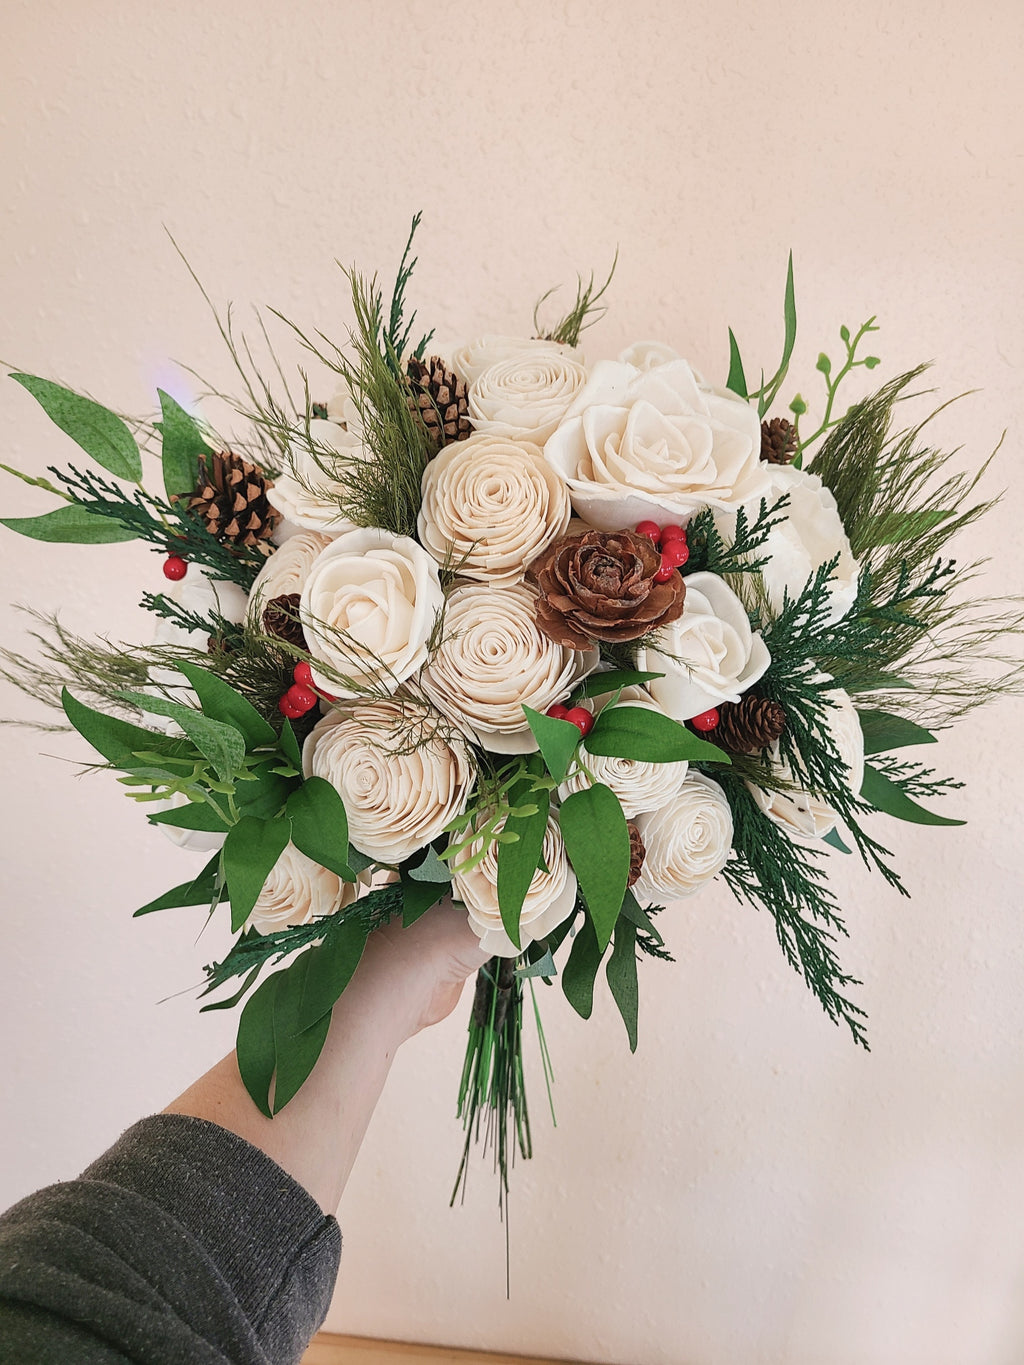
[(561, 639)]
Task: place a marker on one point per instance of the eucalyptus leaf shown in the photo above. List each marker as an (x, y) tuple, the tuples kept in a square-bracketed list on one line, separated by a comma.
[(612, 680), (221, 744), (580, 971), (98, 431), (70, 524), (119, 741), (833, 840), (621, 973), (431, 869), (517, 862), (556, 739), (597, 842), (419, 897), (251, 849), (254, 1045), (883, 731), (220, 701), (544, 966), (882, 793), (320, 825), (359, 861), (198, 815), (649, 736), (182, 444)]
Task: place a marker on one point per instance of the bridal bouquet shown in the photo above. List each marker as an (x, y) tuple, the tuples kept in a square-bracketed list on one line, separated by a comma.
[(561, 639)]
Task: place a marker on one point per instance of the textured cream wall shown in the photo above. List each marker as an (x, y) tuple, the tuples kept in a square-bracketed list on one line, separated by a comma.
[(751, 1187)]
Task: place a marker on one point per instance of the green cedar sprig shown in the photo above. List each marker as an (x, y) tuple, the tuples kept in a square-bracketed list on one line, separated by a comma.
[(710, 552)]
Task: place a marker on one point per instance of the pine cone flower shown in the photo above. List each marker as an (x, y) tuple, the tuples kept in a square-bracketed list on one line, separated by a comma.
[(439, 399), (778, 441), (637, 852), (231, 498), (600, 586), (281, 619), (749, 725)]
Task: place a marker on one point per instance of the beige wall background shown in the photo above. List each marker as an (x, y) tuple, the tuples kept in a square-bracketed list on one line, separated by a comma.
[(751, 1187)]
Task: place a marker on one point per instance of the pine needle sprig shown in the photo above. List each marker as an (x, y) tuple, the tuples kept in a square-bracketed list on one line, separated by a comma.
[(771, 871), (583, 314), (168, 526), (399, 331), (710, 552)]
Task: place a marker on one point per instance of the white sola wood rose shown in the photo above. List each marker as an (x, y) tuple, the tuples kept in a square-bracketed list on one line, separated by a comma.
[(710, 654), (638, 443), (368, 608), (639, 786), (398, 797), (550, 898), (493, 660), (472, 358), (490, 505), (798, 812), (809, 534), (527, 394), (298, 890), (307, 492), (687, 842), (286, 570)]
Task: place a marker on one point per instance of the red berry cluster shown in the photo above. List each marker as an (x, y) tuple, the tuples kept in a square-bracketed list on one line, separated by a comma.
[(671, 540), (300, 697), (575, 715)]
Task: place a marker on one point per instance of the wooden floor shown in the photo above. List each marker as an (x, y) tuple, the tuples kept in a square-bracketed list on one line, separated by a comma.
[(334, 1350)]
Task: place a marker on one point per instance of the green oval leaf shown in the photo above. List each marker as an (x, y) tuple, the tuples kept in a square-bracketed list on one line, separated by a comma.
[(580, 971), (518, 861), (883, 731), (70, 525), (119, 741), (597, 842), (182, 445), (220, 701), (556, 739), (882, 793), (737, 380), (621, 973), (220, 744), (635, 732), (251, 849), (320, 825), (98, 431), (199, 891), (597, 684), (329, 970)]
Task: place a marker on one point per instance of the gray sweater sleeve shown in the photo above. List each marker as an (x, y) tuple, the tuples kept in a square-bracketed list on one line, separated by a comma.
[(181, 1244)]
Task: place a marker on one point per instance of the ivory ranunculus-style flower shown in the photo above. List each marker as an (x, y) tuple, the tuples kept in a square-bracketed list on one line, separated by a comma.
[(286, 571), (709, 655), (472, 358), (645, 355), (398, 795), (307, 493), (687, 842), (798, 812), (549, 900), (368, 609), (299, 890), (654, 443), (809, 534), (490, 505), (525, 395), (493, 660), (639, 786)]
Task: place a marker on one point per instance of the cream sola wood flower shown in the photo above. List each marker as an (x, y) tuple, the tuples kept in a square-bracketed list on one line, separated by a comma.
[(687, 842), (369, 606), (492, 660), (311, 490), (472, 358), (490, 505), (658, 442), (286, 571), (400, 786), (298, 890), (526, 394), (549, 899)]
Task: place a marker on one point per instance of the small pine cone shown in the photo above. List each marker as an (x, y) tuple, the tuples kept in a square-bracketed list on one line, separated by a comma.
[(778, 441), (438, 398), (231, 498), (281, 619), (637, 852), (749, 725)]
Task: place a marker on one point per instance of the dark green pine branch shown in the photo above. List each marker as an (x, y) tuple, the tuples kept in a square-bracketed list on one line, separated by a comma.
[(773, 871), (711, 552), (399, 331)]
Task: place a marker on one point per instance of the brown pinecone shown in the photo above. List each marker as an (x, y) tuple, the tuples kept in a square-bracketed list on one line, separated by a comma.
[(600, 586), (438, 397), (281, 619), (637, 852), (749, 725), (778, 441), (231, 497)]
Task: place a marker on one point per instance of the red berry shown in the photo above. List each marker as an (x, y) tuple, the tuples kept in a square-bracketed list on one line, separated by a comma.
[(650, 529), (581, 718), (558, 711), (287, 709), (672, 532), (175, 568), (707, 720), (666, 571), (302, 673), (300, 698), (675, 553)]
